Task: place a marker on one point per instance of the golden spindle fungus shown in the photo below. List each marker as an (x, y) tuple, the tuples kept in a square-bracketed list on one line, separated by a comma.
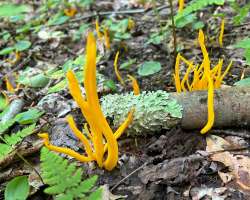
[(210, 107), (204, 78), (9, 86), (135, 85), (63, 150), (222, 27), (70, 12), (97, 28), (117, 73), (177, 75), (100, 137), (181, 5), (107, 38)]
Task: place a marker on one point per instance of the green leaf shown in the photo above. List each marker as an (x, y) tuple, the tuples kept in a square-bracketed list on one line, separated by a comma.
[(7, 50), (3, 102), (96, 195), (110, 84), (149, 68), (247, 56), (22, 45), (28, 117), (37, 81), (58, 87), (17, 189), (198, 25), (245, 44), (183, 21), (128, 64), (7, 10), (58, 19), (196, 5), (243, 82)]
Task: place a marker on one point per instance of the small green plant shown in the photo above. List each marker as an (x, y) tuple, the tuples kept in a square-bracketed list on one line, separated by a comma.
[(119, 29), (149, 68), (17, 189), (10, 141), (241, 12), (188, 14), (245, 44), (65, 179)]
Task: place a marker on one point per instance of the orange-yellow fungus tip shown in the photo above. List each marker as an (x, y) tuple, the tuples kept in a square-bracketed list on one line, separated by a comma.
[(135, 85), (97, 28), (117, 73), (222, 27), (181, 5), (107, 38), (9, 86), (70, 12)]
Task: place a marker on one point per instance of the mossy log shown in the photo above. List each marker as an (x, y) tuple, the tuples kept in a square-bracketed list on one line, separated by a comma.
[(161, 110)]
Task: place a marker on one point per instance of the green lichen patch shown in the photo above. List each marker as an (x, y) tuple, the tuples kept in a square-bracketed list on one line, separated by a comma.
[(153, 111)]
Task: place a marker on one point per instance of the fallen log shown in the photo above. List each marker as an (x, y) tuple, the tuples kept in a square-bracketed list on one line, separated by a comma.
[(161, 110)]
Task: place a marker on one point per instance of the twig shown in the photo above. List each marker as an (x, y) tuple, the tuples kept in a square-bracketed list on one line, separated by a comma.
[(136, 170), (121, 12), (173, 27)]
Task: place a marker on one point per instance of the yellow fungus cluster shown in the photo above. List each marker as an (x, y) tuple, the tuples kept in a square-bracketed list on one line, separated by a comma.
[(104, 36), (99, 136), (203, 78), (135, 85)]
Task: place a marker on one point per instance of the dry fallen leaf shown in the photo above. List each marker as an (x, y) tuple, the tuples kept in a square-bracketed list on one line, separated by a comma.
[(239, 165)]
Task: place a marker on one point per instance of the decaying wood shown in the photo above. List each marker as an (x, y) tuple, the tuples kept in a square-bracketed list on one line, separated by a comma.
[(231, 105)]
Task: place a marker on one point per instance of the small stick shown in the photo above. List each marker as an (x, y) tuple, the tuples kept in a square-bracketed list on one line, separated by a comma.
[(121, 181)]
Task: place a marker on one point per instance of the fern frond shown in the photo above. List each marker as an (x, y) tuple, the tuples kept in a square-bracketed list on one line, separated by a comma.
[(6, 125), (64, 179), (11, 140), (196, 5)]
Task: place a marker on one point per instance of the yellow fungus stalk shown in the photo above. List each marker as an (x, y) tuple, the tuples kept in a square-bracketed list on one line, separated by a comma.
[(210, 107), (131, 24), (107, 38), (63, 150), (16, 59), (9, 86), (177, 75), (181, 5), (100, 137), (97, 28), (117, 73), (70, 12), (222, 27), (135, 85)]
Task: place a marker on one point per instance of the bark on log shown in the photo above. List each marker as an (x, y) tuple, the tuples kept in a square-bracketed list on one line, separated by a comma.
[(231, 105)]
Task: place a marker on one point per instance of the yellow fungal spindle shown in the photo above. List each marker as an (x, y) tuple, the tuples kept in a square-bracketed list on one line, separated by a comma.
[(135, 85), (181, 5), (117, 73), (222, 27)]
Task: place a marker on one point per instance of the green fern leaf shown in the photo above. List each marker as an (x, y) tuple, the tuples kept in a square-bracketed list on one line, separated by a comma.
[(6, 125), (11, 140), (64, 178), (196, 5)]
